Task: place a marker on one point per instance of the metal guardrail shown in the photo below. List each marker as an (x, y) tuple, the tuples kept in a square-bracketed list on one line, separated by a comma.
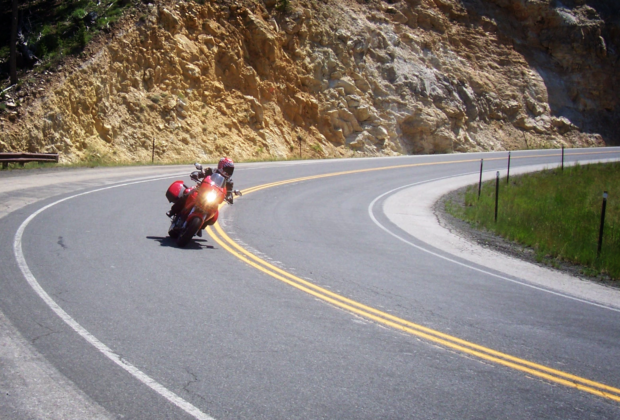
[(22, 158)]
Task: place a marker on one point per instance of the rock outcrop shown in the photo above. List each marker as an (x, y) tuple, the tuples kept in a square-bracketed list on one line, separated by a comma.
[(251, 79)]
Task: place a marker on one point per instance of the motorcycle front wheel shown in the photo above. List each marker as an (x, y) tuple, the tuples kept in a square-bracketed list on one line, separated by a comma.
[(189, 232)]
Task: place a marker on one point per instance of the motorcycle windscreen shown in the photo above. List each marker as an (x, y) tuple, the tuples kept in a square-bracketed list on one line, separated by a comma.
[(218, 180)]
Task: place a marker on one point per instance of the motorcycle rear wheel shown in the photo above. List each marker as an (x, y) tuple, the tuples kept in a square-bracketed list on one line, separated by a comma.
[(173, 231), (189, 232)]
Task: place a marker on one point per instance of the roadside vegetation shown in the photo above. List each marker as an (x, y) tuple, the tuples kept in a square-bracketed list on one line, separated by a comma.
[(556, 213), (48, 33), (52, 29)]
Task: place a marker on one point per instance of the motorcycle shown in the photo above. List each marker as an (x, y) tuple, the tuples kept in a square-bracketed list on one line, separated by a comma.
[(201, 207)]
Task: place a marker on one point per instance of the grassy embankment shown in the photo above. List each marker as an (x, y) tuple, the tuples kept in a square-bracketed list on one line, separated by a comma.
[(557, 213)]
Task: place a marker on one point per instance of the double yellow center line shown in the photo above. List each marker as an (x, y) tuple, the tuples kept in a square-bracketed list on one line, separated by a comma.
[(437, 337)]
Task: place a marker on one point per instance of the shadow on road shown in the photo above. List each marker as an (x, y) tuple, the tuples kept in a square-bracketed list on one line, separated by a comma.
[(195, 243)]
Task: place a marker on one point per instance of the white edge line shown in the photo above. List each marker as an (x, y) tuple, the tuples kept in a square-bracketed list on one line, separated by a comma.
[(131, 369), (376, 222)]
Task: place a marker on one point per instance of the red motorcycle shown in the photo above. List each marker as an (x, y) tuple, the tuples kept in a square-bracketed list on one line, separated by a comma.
[(201, 206)]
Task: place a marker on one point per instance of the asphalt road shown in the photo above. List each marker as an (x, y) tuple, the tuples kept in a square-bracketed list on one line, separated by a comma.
[(145, 330)]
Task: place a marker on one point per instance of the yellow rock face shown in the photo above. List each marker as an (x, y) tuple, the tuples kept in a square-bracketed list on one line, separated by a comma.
[(347, 78)]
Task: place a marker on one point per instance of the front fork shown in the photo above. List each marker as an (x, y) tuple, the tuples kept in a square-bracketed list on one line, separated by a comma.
[(175, 222)]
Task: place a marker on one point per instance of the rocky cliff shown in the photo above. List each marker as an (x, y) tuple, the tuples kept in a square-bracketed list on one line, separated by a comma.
[(257, 78)]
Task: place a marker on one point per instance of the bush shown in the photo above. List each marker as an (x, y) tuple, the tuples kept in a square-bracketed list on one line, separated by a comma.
[(78, 15), (49, 41), (81, 36)]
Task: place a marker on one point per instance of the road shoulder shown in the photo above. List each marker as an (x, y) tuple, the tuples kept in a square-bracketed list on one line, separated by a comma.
[(414, 210), (30, 387)]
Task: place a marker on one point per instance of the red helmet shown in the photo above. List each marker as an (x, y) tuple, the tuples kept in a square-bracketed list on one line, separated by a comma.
[(226, 167)]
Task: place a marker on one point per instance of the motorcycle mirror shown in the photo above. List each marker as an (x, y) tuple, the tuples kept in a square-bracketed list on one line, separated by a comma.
[(198, 166)]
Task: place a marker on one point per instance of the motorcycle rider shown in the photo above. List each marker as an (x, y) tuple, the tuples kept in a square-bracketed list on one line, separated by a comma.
[(225, 167)]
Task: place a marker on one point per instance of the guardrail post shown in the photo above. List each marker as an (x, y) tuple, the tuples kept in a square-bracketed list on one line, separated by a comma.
[(153, 154), (600, 232), (562, 158)]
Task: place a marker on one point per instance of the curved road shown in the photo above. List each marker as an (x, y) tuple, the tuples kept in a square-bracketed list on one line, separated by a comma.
[(305, 303)]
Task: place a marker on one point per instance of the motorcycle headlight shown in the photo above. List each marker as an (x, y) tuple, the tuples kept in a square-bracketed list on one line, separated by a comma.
[(211, 196)]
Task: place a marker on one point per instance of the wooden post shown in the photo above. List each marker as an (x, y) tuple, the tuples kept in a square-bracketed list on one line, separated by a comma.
[(480, 181), (496, 193), (600, 232), (508, 172)]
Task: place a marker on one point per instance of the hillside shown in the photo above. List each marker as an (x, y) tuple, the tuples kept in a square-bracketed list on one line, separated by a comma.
[(254, 78)]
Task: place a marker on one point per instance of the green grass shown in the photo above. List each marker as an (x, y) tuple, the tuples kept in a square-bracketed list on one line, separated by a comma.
[(555, 212)]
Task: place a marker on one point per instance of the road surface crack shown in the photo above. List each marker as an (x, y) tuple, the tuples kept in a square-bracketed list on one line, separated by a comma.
[(194, 379), (47, 334)]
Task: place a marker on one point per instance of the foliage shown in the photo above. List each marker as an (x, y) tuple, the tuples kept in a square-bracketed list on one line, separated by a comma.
[(555, 212), (4, 52), (57, 29), (78, 14), (81, 37)]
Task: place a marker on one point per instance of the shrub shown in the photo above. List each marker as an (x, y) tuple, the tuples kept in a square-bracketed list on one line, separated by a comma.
[(78, 15), (49, 43), (81, 36)]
